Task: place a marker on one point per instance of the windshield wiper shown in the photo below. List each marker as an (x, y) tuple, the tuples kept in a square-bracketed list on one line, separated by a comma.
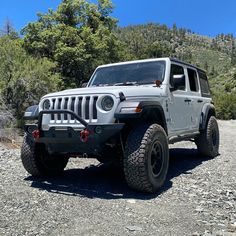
[(126, 83)]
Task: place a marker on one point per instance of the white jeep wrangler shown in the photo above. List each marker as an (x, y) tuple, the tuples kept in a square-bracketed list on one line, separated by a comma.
[(128, 111)]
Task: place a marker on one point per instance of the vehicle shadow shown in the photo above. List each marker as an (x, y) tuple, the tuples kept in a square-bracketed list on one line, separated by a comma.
[(106, 181)]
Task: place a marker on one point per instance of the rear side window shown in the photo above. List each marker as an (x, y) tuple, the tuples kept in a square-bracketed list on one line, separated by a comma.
[(205, 90), (176, 70), (193, 83)]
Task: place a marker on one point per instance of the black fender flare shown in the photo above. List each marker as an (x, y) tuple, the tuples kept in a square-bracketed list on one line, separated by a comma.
[(32, 113), (149, 110), (207, 111)]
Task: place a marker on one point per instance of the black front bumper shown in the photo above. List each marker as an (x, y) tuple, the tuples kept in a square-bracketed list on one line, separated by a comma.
[(69, 139)]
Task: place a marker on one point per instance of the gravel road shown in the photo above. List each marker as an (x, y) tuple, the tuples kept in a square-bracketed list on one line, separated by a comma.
[(199, 197)]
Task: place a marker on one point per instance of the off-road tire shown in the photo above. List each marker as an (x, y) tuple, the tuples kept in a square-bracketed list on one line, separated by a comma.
[(141, 158), (208, 140), (38, 162)]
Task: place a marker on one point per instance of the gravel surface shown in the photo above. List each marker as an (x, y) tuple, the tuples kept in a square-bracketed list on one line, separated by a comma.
[(199, 197)]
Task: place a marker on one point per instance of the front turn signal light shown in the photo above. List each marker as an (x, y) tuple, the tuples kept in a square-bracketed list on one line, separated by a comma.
[(138, 109)]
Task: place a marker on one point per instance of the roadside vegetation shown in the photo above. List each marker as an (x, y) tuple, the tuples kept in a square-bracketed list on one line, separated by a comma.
[(62, 48)]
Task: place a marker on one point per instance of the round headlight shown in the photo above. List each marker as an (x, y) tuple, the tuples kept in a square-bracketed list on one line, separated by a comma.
[(107, 103), (46, 104)]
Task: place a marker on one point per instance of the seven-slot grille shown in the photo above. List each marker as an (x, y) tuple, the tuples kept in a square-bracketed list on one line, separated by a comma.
[(84, 106)]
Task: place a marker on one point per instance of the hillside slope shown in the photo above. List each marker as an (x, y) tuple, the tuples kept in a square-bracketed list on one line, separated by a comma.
[(217, 56)]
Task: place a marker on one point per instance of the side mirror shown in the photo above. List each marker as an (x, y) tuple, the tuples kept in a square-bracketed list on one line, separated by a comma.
[(177, 82)]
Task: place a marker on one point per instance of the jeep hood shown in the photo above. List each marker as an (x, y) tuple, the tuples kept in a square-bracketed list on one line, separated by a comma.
[(128, 91)]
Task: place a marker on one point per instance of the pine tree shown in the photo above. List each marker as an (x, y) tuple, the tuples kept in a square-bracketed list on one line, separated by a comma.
[(174, 28), (233, 53), (78, 36), (206, 66), (9, 30)]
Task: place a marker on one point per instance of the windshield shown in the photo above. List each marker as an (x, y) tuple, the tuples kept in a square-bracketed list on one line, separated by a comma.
[(129, 74)]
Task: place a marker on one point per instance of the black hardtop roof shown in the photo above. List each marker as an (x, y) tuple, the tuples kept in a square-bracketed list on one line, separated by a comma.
[(187, 64)]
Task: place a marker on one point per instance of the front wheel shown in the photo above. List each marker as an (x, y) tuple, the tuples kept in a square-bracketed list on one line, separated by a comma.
[(208, 140), (146, 158), (38, 162)]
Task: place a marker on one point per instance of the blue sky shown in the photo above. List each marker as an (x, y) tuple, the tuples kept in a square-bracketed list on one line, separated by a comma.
[(207, 17)]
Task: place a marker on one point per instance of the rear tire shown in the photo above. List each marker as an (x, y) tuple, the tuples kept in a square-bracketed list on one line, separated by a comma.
[(208, 141), (146, 158), (38, 162)]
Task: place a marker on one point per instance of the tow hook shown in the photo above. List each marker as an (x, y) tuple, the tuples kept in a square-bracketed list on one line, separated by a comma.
[(36, 134), (84, 135)]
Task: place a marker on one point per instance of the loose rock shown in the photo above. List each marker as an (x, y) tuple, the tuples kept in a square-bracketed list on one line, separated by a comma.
[(198, 198)]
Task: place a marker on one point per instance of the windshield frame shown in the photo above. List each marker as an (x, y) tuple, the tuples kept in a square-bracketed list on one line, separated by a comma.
[(128, 82)]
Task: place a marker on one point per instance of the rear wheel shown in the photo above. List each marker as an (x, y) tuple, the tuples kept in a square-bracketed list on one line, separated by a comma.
[(146, 158), (208, 141), (38, 162)]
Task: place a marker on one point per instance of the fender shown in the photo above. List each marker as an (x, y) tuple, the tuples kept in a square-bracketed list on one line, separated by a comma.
[(151, 111), (207, 111), (32, 113)]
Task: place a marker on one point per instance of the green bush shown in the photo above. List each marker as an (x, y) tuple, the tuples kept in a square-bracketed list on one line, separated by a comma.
[(23, 79), (225, 105)]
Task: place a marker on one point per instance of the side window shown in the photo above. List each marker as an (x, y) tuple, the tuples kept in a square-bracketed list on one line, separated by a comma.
[(205, 90), (193, 83), (176, 70)]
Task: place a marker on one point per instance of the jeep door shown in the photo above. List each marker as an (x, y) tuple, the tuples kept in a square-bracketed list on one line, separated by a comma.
[(196, 101), (178, 104)]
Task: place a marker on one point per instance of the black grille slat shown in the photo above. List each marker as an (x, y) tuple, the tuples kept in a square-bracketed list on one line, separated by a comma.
[(87, 108), (59, 107), (95, 108), (80, 106), (53, 108), (65, 107), (72, 107)]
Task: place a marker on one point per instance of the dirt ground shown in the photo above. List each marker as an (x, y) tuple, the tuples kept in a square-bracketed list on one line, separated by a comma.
[(198, 198)]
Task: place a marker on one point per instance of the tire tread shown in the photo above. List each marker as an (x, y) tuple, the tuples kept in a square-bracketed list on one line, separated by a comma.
[(135, 157)]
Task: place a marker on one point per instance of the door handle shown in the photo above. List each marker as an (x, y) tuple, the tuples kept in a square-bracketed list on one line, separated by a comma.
[(199, 100), (187, 100)]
